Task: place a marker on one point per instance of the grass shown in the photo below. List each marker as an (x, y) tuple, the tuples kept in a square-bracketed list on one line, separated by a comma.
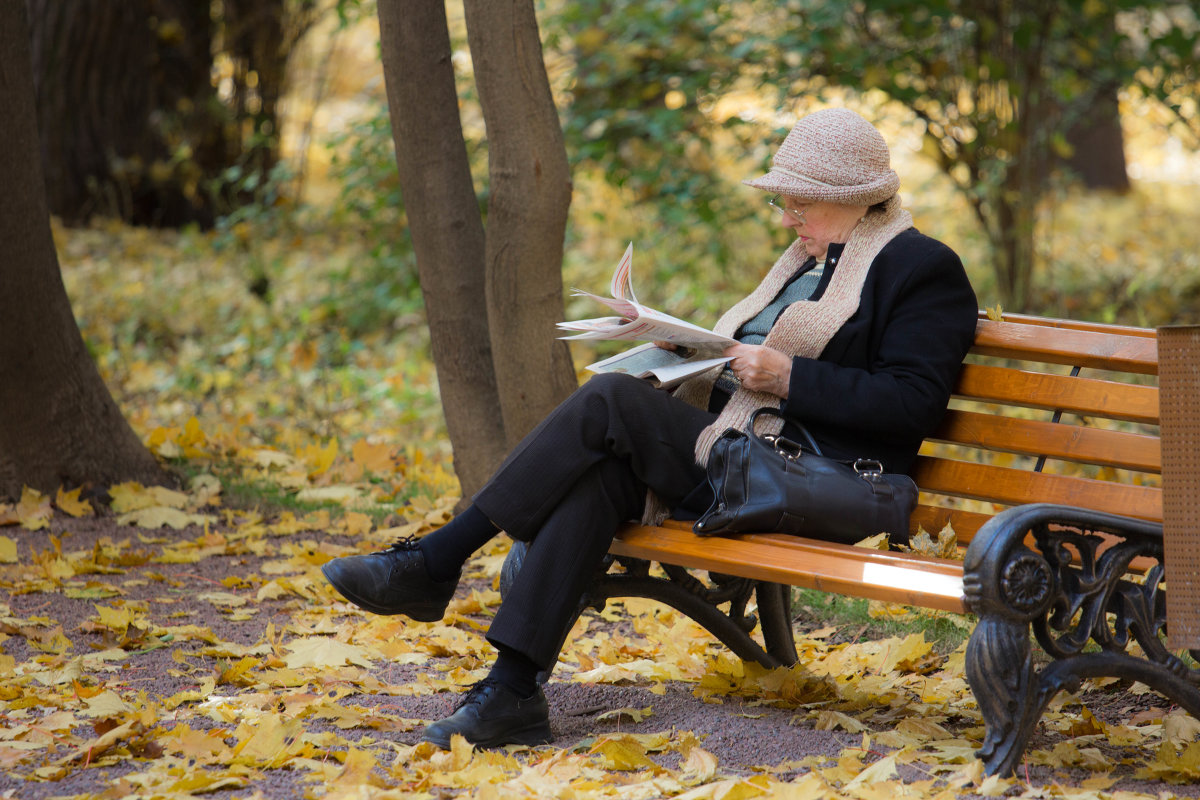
[(862, 620)]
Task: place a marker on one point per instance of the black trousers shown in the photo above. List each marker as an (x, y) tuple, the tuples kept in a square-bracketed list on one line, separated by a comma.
[(569, 485)]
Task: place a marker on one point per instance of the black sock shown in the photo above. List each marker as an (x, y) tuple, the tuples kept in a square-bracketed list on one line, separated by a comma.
[(516, 671), (447, 548)]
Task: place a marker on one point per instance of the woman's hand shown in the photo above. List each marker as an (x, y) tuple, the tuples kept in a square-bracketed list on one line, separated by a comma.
[(760, 368)]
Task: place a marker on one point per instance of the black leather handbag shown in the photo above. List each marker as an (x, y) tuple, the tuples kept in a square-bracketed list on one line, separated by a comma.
[(769, 484)]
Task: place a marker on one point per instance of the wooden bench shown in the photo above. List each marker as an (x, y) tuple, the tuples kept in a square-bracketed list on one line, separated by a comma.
[(1047, 466)]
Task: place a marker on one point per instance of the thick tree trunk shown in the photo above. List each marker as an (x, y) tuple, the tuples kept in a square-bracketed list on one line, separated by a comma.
[(58, 422), (130, 123), (447, 231), (527, 211)]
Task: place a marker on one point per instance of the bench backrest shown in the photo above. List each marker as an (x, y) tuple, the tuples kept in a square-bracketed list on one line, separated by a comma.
[(1046, 411)]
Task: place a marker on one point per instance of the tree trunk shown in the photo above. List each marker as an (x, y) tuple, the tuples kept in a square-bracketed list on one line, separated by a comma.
[(1098, 145), (446, 228), (130, 123), (530, 185), (58, 422)]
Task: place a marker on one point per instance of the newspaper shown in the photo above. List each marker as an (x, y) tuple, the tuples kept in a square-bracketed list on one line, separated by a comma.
[(666, 369), (698, 350)]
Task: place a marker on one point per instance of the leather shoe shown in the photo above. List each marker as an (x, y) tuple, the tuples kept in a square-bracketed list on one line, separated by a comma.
[(491, 715), (392, 581)]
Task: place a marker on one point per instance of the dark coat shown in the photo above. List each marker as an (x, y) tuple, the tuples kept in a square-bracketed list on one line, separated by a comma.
[(883, 381)]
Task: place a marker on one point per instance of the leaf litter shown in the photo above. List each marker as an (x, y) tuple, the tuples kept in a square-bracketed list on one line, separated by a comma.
[(212, 659)]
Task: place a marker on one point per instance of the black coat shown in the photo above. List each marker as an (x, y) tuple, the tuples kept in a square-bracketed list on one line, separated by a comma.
[(883, 381)]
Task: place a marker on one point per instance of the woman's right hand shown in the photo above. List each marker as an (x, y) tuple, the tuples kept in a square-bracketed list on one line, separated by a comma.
[(667, 345)]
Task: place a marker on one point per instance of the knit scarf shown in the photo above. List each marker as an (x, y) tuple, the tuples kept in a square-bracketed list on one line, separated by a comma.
[(803, 329)]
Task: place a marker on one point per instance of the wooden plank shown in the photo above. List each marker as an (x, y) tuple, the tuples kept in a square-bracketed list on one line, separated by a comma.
[(1016, 486), (935, 517), (1083, 348), (1074, 324), (1087, 396), (1135, 451), (874, 574)]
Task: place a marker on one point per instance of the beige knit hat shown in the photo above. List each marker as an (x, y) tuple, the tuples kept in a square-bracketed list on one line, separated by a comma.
[(833, 155)]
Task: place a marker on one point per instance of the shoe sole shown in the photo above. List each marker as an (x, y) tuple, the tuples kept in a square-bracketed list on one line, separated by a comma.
[(419, 613), (531, 736)]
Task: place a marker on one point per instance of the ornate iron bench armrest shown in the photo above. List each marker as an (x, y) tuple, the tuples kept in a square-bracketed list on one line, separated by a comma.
[(1075, 589)]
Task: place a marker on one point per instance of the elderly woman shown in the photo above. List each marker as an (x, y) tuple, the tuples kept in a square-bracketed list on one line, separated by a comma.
[(858, 332)]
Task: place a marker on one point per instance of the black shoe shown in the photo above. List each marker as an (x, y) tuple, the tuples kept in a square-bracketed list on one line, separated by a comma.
[(392, 581), (491, 715)]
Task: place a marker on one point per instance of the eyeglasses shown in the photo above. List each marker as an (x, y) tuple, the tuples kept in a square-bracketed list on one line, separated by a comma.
[(777, 202)]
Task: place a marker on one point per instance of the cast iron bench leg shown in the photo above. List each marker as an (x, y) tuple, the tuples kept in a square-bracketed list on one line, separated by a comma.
[(698, 600), (1072, 591)]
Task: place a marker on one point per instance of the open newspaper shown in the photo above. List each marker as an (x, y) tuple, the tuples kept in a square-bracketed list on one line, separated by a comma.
[(698, 350)]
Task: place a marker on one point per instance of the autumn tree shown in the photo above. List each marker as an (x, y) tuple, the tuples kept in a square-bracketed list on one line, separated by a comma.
[(996, 84), (58, 423), (1004, 90), (492, 290)]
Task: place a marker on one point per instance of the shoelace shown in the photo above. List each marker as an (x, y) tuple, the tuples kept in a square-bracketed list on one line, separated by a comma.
[(404, 543), (478, 692)]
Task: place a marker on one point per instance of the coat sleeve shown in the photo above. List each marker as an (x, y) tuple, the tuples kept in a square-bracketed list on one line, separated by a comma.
[(892, 381)]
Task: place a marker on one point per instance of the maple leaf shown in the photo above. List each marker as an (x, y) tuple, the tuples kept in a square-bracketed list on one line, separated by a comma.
[(323, 652), (69, 503), (34, 510), (8, 550), (622, 752)]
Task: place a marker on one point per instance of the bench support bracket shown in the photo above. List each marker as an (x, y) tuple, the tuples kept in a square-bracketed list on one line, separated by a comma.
[(1073, 591), (702, 601)]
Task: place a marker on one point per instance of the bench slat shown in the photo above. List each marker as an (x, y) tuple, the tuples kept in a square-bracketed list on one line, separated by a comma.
[(1054, 440), (1075, 325), (934, 517), (1015, 487), (1087, 396), (812, 564), (1084, 348)]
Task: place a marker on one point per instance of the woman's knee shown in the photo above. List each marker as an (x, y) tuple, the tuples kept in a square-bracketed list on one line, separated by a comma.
[(617, 388)]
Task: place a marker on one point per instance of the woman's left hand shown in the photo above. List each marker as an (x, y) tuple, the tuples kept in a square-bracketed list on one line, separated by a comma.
[(761, 368)]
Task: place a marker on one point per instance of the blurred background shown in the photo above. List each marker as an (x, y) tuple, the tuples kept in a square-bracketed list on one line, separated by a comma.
[(234, 241)]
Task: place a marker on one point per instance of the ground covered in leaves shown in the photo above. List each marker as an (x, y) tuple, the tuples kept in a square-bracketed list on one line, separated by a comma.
[(161, 644)]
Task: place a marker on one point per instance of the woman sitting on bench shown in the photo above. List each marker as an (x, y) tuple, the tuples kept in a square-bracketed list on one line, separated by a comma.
[(858, 332)]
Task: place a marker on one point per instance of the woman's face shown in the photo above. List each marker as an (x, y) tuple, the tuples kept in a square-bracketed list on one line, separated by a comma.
[(820, 224)]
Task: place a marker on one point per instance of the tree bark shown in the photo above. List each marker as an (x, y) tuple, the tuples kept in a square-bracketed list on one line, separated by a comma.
[(446, 228), (1098, 145), (530, 195), (58, 423)]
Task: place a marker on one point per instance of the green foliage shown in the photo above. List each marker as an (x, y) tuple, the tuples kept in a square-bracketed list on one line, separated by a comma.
[(371, 293), (994, 84), (639, 111)]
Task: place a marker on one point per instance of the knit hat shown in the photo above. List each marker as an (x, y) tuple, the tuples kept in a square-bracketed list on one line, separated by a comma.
[(835, 156)]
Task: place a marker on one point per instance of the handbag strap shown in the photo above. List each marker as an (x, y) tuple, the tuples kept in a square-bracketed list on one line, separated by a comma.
[(775, 412)]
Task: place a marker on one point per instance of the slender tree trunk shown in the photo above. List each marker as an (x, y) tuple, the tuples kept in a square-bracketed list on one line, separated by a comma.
[(446, 228), (58, 422), (1098, 145), (530, 194)]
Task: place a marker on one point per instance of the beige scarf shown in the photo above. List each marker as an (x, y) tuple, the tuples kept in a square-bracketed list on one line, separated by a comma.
[(803, 329)]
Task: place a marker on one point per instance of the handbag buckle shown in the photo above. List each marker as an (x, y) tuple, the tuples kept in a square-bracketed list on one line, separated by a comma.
[(868, 468), (784, 447)]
